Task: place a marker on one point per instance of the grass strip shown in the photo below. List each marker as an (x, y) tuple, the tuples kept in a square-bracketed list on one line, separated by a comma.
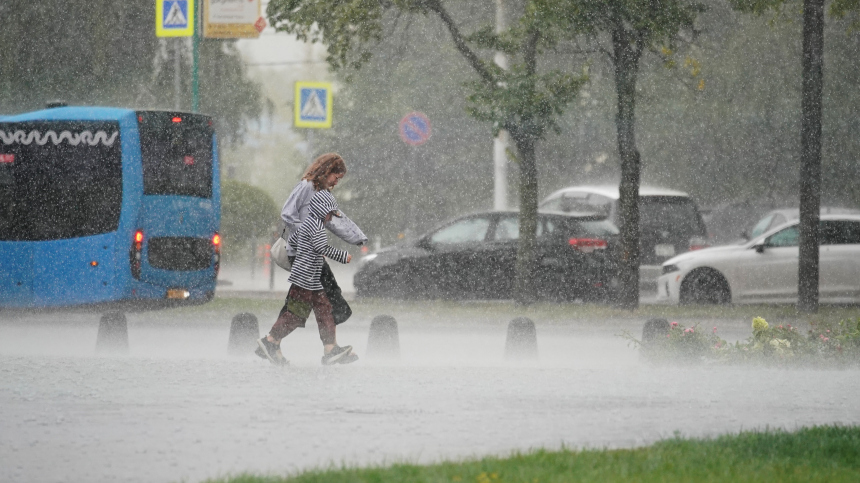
[(821, 453)]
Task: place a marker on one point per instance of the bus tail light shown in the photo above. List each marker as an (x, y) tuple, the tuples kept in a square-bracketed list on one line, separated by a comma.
[(216, 248), (587, 245), (136, 254)]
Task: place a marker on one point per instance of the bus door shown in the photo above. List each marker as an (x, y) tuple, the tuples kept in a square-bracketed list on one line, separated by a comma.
[(60, 203)]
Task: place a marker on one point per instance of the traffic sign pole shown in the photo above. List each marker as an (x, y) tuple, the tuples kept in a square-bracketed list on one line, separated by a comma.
[(195, 56), (414, 130)]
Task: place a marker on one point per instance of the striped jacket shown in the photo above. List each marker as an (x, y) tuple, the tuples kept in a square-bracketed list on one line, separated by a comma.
[(311, 243)]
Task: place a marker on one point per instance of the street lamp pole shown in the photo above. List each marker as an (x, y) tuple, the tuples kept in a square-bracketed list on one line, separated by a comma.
[(500, 143), (195, 59)]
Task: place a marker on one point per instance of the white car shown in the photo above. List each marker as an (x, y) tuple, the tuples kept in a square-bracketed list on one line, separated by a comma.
[(764, 270)]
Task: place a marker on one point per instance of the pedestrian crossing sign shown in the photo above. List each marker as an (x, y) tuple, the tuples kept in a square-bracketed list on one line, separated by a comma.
[(313, 105), (174, 18)]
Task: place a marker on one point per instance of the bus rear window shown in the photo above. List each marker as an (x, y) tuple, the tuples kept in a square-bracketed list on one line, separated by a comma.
[(177, 153), (59, 179)]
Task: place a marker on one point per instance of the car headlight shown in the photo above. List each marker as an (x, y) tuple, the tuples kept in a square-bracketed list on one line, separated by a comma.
[(670, 269)]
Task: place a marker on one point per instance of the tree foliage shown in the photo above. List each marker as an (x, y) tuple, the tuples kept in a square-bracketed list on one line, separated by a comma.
[(523, 100), (101, 52), (247, 213)]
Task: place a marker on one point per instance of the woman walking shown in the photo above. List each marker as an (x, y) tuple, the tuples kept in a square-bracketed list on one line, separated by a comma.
[(323, 174), (306, 292)]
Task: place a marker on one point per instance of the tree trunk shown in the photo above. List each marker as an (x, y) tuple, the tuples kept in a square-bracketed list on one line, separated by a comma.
[(524, 286), (810, 162), (525, 137), (627, 50)]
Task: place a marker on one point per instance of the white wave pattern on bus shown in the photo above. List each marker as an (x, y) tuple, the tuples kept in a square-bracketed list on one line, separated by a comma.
[(85, 137)]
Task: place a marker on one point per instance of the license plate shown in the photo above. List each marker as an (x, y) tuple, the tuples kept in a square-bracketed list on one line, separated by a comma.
[(664, 250), (178, 293)]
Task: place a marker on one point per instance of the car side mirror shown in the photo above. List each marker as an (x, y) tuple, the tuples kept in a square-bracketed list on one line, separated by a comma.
[(760, 248), (425, 244)]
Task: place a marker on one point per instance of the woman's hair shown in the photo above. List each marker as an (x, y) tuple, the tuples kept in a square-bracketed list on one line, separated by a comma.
[(323, 166)]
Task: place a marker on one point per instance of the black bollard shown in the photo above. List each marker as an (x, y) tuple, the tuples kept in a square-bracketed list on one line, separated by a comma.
[(244, 332), (521, 343), (383, 341), (654, 329), (113, 334)]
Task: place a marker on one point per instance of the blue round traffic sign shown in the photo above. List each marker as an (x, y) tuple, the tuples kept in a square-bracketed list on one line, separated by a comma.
[(415, 128)]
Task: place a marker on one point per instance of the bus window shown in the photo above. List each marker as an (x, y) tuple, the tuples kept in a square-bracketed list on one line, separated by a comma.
[(177, 154), (59, 179)]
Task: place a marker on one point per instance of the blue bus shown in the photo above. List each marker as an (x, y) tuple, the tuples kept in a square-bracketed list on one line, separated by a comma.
[(108, 207)]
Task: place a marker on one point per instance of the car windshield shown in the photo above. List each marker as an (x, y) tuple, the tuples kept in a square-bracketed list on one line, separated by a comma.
[(761, 226)]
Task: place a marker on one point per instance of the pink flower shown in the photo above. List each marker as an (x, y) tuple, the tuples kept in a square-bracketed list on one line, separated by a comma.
[(826, 339), (674, 324), (718, 345), (667, 336), (781, 327), (715, 329)]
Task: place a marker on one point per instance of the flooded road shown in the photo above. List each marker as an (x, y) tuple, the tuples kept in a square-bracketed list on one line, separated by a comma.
[(178, 407)]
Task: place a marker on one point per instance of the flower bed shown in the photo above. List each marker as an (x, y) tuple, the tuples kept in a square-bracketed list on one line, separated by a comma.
[(824, 343)]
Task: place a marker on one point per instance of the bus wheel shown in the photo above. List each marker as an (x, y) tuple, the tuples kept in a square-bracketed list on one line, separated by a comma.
[(113, 334)]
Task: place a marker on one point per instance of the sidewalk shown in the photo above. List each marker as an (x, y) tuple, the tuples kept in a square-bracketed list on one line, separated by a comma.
[(238, 281)]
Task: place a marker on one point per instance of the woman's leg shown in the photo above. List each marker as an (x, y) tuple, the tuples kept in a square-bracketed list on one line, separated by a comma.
[(293, 314), (332, 353), (325, 320)]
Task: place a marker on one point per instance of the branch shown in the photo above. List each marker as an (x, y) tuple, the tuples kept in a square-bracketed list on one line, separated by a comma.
[(460, 42)]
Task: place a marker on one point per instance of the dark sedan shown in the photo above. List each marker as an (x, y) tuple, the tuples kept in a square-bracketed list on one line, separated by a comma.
[(475, 257)]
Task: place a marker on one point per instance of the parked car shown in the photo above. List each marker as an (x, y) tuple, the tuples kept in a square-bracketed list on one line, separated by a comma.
[(774, 218), (669, 220), (764, 270), (475, 256)]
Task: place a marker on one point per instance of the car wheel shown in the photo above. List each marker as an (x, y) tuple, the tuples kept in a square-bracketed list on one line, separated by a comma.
[(705, 287)]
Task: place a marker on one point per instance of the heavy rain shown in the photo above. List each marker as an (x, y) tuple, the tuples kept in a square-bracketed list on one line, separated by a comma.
[(570, 225)]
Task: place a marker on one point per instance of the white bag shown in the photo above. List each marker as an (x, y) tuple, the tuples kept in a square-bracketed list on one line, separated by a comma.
[(279, 254)]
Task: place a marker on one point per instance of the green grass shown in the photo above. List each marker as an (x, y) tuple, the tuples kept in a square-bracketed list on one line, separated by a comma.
[(824, 453)]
